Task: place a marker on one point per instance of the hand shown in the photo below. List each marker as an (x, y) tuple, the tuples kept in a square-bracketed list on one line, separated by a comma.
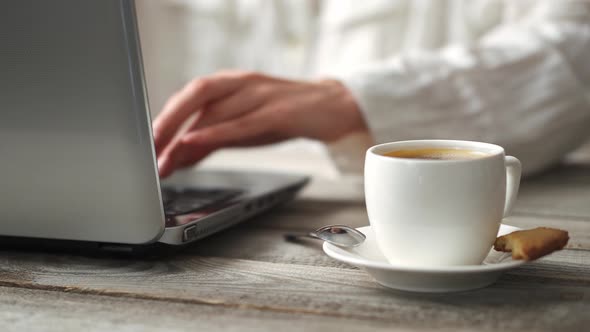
[(238, 109)]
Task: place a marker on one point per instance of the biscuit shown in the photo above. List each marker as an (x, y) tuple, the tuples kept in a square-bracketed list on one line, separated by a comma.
[(531, 244)]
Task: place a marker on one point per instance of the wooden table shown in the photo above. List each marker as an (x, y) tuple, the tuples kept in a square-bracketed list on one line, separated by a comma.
[(249, 279)]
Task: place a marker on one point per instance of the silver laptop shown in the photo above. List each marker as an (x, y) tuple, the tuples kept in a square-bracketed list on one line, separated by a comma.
[(77, 160)]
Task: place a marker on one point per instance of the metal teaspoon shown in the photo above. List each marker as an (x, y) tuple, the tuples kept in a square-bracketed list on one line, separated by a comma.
[(338, 235)]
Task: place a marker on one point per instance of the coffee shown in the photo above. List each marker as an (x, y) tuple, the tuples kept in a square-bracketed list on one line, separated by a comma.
[(437, 154)]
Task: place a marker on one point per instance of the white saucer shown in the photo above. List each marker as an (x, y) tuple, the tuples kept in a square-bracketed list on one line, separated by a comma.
[(424, 279)]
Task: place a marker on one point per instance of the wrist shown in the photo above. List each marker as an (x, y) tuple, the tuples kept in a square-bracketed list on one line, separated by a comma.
[(345, 106)]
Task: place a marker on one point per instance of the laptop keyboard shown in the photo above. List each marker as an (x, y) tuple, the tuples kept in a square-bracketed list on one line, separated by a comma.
[(178, 201)]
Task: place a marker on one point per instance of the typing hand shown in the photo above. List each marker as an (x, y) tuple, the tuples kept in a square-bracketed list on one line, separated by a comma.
[(238, 109)]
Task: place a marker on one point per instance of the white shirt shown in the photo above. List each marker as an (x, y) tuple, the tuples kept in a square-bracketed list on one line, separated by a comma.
[(515, 73)]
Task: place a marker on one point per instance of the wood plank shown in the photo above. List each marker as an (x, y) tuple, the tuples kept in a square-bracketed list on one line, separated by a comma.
[(261, 238), (310, 214), (268, 245), (24, 310), (265, 245), (581, 155), (564, 192), (306, 215), (550, 294), (253, 241), (561, 192)]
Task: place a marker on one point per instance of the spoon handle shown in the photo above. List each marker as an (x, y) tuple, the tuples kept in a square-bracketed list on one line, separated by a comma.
[(294, 236)]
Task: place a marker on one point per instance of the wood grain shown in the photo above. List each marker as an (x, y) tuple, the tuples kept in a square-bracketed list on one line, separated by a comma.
[(265, 245), (563, 193), (537, 292), (24, 310)]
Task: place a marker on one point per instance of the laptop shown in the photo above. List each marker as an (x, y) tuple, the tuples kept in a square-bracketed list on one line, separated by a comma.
[(77, 156)]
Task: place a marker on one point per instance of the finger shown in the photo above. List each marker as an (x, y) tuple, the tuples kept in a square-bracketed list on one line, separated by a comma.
[(251, 130), (233, 106), (164, 167), (250, 97), (187, 158), (191, 98), (167, 166), (164, 154)]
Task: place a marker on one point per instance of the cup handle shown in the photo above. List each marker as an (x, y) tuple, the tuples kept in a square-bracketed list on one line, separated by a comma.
[(513, 172)]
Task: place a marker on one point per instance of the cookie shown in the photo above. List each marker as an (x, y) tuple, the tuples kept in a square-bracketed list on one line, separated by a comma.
[(531, 244)]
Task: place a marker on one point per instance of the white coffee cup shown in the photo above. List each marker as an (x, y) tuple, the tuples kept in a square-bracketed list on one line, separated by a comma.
[(438, 212)]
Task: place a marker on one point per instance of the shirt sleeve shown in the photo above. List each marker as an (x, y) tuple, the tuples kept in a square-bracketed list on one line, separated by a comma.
[(525, 86)]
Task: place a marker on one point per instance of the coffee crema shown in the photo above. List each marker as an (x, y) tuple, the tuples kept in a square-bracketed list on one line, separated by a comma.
[(437, 154)]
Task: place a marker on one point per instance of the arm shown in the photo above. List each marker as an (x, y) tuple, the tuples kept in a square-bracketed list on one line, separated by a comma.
[(525, 86)]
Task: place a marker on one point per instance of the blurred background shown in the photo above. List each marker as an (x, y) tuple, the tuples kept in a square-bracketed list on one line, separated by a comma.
[(303, 39), (184, 39)]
